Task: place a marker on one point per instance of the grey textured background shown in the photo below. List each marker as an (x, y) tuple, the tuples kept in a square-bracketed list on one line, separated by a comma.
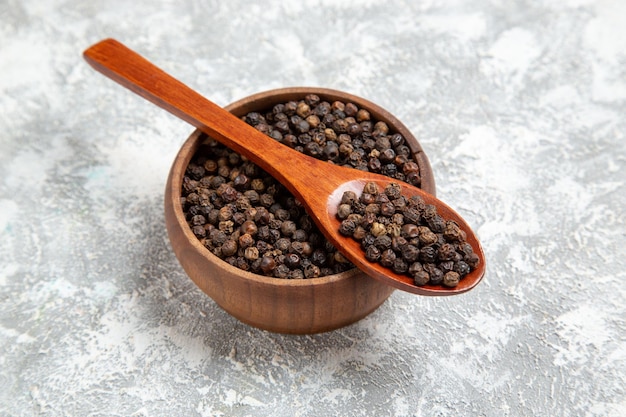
[(521, 107)]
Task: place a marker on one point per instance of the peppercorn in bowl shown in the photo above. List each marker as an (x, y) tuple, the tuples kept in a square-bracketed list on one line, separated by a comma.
[(249, 244)]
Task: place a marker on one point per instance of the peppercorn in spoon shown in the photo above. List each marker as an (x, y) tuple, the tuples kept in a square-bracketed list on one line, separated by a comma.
[(319, 185)]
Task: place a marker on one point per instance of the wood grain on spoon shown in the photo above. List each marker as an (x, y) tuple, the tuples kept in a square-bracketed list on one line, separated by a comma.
[(317, 184)]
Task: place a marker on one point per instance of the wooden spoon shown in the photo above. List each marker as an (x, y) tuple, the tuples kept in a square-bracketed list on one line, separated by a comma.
[(317, 184)]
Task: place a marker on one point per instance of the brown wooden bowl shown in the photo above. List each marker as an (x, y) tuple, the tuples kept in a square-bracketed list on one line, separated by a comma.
[(280, 305)]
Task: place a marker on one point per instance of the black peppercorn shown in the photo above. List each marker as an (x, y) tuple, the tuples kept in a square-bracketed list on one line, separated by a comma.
[(472, 260), (372, 253), (362, 115), (451, 279), (396, 140), (382, 143), (198, 220), (410, 253), (313, 149), (281, 271), (398, 243), (296, 274), (281, 214), (347, 227), (387, 209), (225, 213), (241, 182), (410, 231), (317, 136), (189, 186), (312, 271), (245, 241), (452, 232), (428, 212), (253, 118), (411, 215), (263, 233), (428, 254), (292, 260), (387, 156), (378, 228), (242, 204), (319, 257), (301, 126), (274, 235), (383, 242), (193, 211), (296, 247), (400, 203), (387, 258), (421, 278), (446, 266), (306, 223), (242, 263), (303, 109), (353, 129), (403, 150), (436, 224), (229, 248), (343, 211), (290, 108), (267, 264), (288, 227), (415, 267), (400, 266), (461, 268), (210, 166), (348, 197), (266, 200), (381, 127), (358, 208), (290, 140), (389, 170), (446, 252), (300, 235), (359, 233), (282, 244), (218, 237), (367, 198), (393, 229), (312, 100), (195, 171), (262, 215), (368, 240), (199, 231), (436, 274), (331, 151), (372, 209), (374, 164), (426, 236), (278, 109)]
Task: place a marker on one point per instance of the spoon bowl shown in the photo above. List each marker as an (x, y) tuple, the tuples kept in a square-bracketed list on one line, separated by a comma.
[(291, 168)]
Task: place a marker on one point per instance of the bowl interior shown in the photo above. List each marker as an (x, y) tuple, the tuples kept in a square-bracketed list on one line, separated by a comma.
[(282, 305), (265, 101)]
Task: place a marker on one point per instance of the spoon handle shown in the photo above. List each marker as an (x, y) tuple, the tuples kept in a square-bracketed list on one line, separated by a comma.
[(134, 72)]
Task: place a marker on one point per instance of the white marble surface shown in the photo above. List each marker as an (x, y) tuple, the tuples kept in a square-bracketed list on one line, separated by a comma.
[(521, 107)]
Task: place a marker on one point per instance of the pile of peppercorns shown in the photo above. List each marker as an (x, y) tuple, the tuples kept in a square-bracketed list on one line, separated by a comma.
[(245, 217), (406, 235)]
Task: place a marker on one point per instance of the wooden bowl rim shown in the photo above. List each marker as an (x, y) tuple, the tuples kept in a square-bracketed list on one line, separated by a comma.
[(280, 95)]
